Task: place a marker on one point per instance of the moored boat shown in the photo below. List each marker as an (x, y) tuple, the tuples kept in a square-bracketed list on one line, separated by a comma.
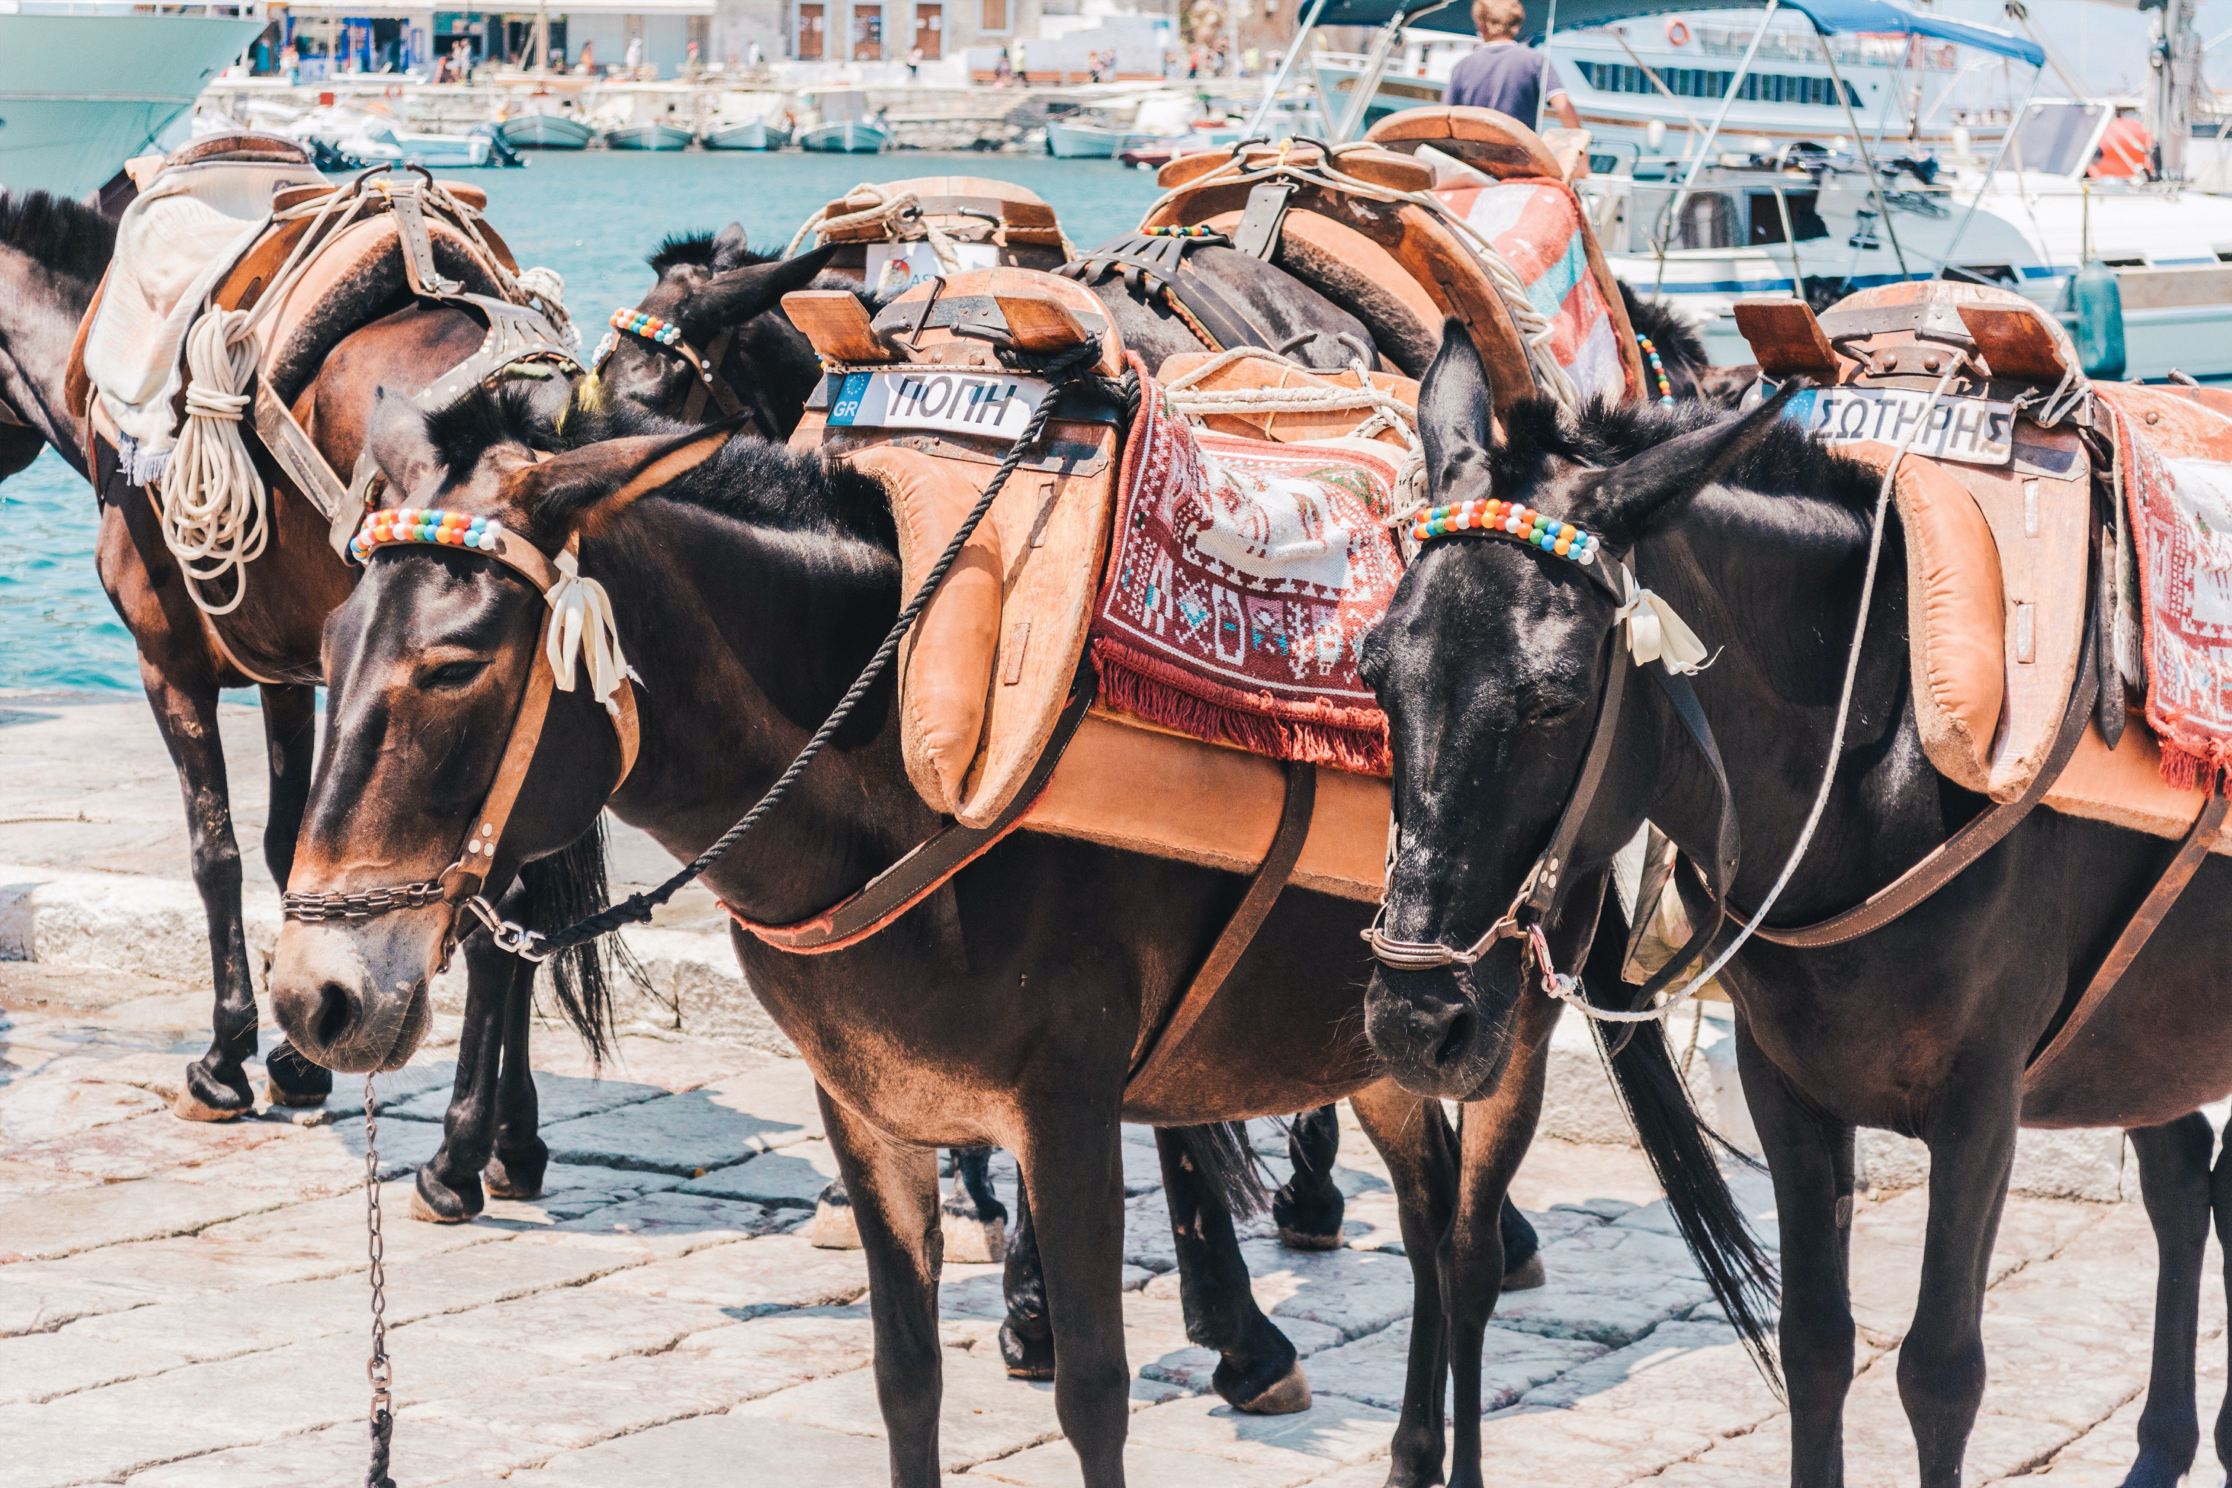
[(747, 134), (1085, 141), (647, 137), (546, 131), (846, 136)]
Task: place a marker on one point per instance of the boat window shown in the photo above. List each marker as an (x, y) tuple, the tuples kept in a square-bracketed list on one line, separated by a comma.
[(1980, 273), (1805, 220), (1705, 82), (1708, 221), (2054, 137)]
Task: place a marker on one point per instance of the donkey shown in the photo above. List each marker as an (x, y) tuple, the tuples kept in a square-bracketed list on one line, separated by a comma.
[(52, 254), (749, 588), (1492, 662)]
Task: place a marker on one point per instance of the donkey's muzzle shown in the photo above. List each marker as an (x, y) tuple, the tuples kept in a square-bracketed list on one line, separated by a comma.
[(353, 997), (1432, 1034)]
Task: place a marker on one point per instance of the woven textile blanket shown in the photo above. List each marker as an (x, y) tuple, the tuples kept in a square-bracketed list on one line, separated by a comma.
[(1535, 223), (1241, 579), (2181, 527)]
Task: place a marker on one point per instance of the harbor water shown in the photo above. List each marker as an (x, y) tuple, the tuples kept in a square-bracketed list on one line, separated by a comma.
[(594, 217)]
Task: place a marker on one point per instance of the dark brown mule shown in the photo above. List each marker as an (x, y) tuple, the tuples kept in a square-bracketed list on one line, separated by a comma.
[(52, 254), (1492, 664), (1007, 1009)]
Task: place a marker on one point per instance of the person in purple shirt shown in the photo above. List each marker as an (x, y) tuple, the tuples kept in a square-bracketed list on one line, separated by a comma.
[(1501, 74)]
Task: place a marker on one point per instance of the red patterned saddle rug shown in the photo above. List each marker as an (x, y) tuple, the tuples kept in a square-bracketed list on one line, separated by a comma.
[(1242, 578)]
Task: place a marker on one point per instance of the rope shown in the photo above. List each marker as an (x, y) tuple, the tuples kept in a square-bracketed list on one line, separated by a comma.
[(214, 503), (1535, 329), (637, 908), (892, 211), (1568, 988)]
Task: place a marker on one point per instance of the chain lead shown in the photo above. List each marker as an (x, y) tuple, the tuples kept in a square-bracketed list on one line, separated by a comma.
[(376, 1369)]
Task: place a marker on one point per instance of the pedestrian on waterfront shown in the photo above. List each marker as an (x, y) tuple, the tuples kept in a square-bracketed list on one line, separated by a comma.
[(753, 56), (633, 58), (290, 65), (914, 63), (1503, 75), (588, 57), (1003, 71)]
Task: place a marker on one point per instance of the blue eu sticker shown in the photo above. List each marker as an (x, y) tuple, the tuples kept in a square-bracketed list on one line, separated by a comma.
[(846, 406)]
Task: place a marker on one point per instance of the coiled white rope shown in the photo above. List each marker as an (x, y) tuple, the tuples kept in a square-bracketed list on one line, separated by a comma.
[(889, 210), (214, 503)]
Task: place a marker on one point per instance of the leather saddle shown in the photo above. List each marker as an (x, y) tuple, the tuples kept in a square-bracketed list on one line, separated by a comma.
[(2000, 566), (988, 670), (1008, 225)]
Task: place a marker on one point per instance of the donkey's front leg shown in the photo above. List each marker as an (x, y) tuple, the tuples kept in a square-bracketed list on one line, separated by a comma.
[(449, 1189), (1071, 1160), (290, 739), (1308, 1207), (2174, 1182), (1414, 1138), (894, 1194), (1971, 1137), (1810, 1158), (1259, 1370)]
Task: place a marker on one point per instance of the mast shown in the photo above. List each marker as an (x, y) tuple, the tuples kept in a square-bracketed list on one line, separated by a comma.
[(542, 38), (2175, 63)]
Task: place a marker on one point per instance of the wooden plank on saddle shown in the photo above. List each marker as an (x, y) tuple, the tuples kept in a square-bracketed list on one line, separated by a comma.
[(2015, 343), (1038, 324), (837, 323), (1787, 339), (1493, 143)]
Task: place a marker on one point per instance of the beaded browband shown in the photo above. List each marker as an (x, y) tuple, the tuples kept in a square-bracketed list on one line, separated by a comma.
[(1494, 518), (634, 322), (411, 525)]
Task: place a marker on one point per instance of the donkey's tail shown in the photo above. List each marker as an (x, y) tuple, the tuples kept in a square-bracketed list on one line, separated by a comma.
[(565, 887), (1681, 1151), (1220, 1153)]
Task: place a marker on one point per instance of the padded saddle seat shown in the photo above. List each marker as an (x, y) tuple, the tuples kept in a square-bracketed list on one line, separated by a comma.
[(1012, 220)]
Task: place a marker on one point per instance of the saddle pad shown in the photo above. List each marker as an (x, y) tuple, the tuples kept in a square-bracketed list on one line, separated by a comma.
[(1291, 426), (174, 243), (1537, 225), (1242, 579)]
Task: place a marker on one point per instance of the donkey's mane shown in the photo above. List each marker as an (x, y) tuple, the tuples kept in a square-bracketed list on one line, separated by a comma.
[(698, 249), (58, 234), (1674, 337), (1783, 459)]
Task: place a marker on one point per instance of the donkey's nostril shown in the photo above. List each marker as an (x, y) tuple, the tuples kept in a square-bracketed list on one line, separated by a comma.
[(1454, 1039), (336, 1012)]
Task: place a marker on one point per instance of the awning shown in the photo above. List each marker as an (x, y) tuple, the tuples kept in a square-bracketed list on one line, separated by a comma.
[(1829, 17)]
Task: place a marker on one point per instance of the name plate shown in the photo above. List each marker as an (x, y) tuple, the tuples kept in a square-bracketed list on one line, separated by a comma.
[(991, 405), (1974, 431)]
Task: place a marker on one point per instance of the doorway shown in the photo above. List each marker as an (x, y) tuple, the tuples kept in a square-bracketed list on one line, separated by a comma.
[(930, 31), (867, 33), (809, 33)]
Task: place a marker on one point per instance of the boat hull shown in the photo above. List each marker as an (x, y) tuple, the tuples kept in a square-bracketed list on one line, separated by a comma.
[(851, 137), (546, 132), (757, 135), (82, 94), (647, 137), (1083, 141)]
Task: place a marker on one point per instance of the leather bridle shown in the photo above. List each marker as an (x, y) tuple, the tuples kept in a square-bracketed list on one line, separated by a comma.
[(711, 385)]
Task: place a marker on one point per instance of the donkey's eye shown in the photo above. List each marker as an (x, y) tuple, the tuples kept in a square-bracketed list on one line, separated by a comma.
[(1537, 714), (455, 673)]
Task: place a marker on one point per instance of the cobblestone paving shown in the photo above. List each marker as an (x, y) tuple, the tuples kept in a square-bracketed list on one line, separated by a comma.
[(184, 1305)]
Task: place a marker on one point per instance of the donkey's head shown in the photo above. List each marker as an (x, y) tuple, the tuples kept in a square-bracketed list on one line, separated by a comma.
[(1492, 664), (426, 667), (708, 286)]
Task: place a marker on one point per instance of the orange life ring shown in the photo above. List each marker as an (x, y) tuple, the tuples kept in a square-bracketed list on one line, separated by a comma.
[(1677, 33), (395, 90)]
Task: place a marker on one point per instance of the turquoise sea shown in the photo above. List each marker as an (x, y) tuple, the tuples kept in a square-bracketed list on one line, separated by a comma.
[(594, 217)]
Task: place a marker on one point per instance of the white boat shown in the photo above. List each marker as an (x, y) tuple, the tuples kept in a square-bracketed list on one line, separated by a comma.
[(749, 121), (546, 130), (647, 137), (86, 86), (376, 138), (749, 134), (1086, 141), (846, 136)]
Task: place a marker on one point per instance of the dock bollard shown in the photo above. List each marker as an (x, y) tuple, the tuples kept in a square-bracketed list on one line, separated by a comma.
[(2098, 301)]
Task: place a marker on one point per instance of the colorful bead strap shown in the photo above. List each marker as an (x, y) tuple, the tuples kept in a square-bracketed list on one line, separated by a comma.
[(1507, 519), (650, 327), (409, 525), (1180, 232), (1658, 370)]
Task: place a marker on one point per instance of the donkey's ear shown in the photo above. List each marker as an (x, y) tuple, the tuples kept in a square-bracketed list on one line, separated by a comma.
[(584, 489), (1455, 405), (1642, 493), (396, 435), (735, 296), (728, 247)]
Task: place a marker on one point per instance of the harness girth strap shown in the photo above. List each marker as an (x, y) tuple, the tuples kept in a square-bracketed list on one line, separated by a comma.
[(1214, 318), (924, 870), (1264, 888)]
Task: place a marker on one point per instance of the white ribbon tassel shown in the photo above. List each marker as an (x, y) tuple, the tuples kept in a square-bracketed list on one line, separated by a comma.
[(1655, 632), (581, 622)]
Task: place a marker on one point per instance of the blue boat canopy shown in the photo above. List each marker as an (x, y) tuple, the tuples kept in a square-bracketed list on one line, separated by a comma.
[(1830, 17)]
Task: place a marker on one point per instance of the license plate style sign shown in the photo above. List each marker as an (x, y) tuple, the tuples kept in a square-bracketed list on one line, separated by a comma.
[(991, 404), (1974, 431)]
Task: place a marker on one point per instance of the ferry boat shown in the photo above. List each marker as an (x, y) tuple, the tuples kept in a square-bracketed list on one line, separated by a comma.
[(85, 85)]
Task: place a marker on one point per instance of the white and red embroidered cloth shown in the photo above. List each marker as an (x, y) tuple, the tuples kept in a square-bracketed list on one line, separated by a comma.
[(1242, 577), (1535, 223)]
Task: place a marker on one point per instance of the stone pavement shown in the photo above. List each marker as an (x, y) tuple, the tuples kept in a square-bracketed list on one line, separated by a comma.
[(184, 1305)]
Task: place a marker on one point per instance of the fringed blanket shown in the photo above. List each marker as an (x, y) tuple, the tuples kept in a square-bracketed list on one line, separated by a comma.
[(1241, 580), (2181, 526), (1536, 225)]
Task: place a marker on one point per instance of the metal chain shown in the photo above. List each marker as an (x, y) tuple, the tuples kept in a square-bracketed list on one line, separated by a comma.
[(376, 1368), (363, 905)]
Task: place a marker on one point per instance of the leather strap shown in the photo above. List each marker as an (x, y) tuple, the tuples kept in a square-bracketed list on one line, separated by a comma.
[(1258, 232), (923, 871), (297, 454), (1542, 889), (465, 877), (2152, 911), (417, 240), (1263, 892), (1215, 319), (1975, 838), (710, 382)]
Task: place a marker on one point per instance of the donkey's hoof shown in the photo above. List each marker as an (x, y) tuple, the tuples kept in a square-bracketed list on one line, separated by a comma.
[(437, 1202), (1289, 1393), (201, 1098), (972, 1240), (1297, 1240), (1308, 1223), (291, 1080), (834, 1226), (1526, 1276), (519, 1176), (1026, 1358)]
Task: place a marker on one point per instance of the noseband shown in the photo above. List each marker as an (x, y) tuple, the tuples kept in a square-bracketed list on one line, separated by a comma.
[(667, 336), (578, 624), (1660, 645)]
